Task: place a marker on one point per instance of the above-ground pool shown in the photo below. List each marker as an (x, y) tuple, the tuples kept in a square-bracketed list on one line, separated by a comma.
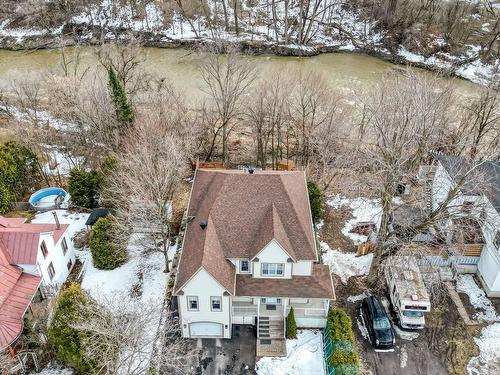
[(49, 198)]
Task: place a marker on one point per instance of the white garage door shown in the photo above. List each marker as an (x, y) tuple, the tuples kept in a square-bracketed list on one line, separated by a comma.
[(205, 329)]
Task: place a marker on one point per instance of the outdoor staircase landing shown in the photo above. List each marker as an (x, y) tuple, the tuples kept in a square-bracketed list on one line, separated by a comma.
[(271, 347)]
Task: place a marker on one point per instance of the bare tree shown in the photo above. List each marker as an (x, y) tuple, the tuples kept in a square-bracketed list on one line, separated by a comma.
[(146, 176), (479, 129), (121, 334), (405, 117), (227, 79)]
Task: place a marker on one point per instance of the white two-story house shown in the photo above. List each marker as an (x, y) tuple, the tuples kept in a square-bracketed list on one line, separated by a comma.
[(249, 254), (39, 249), (477, 204)]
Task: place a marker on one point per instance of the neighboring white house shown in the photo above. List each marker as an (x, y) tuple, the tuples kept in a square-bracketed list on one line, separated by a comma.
[(39, 249), (478, 201), (249, 254)]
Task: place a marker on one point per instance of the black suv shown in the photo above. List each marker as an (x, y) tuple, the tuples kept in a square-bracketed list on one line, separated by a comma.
[(378, 324)]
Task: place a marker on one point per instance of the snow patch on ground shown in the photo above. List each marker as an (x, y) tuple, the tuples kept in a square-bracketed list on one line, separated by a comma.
[(38, 117), (359, 297), (405, 335), (477, 298), (345, 265), (363, 210), (488, 361), (60, 161), (362, 327), (304, 356), (55, 370)]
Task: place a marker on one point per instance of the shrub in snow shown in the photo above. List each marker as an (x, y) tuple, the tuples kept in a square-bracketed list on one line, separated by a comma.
[(291, 325), (85, 187), (315, 200), (107, 252), (66, 340)]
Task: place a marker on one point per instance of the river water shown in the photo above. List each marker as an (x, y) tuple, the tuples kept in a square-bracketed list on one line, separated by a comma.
[(344, 71)]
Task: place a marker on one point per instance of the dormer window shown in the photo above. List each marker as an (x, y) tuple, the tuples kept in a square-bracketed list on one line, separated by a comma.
[(244, 266), (272, 269)]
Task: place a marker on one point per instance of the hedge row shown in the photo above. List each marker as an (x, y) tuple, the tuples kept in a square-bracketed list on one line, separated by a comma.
[(344, 358)]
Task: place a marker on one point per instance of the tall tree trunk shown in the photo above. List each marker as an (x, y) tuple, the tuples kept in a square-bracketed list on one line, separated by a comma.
[(226, 20)]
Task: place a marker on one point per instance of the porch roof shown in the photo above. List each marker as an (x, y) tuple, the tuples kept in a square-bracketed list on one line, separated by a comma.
[(318, 285)]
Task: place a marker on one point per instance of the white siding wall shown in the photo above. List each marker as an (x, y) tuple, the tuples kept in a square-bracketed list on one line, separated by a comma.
[(204, 286), (302, 268), (57, 257), (441, 185), (272, 253), (489, 263)]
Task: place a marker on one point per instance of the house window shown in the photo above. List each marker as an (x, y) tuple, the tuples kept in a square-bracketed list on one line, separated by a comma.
[(216, 303), (270, 301), (64, 245), (43, 247), (244, 266), (51, 270), (272, 269), (192, 303), (70, 265)]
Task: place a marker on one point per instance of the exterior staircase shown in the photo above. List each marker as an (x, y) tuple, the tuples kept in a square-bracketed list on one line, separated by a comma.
[(271, 327), (271, 337)]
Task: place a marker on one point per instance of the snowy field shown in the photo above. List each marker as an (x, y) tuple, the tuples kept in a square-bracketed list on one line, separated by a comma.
[(139, 282), (488, 361), (305, 356)]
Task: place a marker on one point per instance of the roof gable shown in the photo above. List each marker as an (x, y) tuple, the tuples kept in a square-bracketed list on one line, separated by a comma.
[(21, 239), (244, 212)]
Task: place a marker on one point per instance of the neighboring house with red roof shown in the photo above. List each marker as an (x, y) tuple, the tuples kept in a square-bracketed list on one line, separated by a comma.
[(17, 289), (39, 249), (249, 254)]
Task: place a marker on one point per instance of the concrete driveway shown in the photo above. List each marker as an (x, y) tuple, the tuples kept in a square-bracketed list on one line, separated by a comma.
[(228, 357)]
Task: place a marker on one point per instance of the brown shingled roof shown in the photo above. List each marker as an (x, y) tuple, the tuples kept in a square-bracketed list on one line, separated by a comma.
[(318, 285), (244, 213)]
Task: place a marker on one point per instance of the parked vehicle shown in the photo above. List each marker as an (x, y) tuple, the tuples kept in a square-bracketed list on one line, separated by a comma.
[(378, 324), (407, 291)]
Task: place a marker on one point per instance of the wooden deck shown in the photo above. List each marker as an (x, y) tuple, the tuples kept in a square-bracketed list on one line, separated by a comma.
[(271, 347)]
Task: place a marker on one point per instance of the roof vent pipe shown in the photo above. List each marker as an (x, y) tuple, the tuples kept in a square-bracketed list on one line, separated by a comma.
[(203, 224)]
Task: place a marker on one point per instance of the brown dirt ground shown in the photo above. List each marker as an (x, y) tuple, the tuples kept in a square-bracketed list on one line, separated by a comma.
[(333, 222)]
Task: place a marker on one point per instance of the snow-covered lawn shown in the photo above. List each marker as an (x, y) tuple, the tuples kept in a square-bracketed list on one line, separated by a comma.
[(477, 298), (488, 361), (139, 282), (346, 265), (304, 357), (363, 209)]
